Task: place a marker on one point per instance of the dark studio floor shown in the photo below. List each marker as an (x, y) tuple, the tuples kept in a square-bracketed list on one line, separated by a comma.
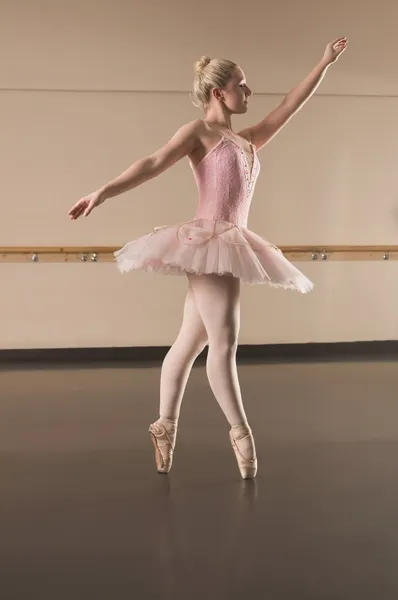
[(84, 514)]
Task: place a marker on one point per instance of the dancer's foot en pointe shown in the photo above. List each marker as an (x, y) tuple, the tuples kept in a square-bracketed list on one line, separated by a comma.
[(163, 434), (243, 445)]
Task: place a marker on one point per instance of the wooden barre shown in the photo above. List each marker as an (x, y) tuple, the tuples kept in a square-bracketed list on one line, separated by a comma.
[(315, 252)]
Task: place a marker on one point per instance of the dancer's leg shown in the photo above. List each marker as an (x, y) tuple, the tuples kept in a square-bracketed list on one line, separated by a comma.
[(177, 365), (218, 302), (176, 368)]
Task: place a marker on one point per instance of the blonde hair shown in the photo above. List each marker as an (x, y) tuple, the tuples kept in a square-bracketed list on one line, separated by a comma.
[(210, 73)]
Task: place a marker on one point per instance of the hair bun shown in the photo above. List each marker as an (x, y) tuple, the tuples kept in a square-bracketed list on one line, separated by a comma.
[(201, 64)]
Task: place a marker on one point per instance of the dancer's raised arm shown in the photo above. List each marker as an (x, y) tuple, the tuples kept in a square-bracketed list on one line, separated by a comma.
[(261, 133)]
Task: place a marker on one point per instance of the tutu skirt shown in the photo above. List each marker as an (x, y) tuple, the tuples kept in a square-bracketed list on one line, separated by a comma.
[(206, 247)]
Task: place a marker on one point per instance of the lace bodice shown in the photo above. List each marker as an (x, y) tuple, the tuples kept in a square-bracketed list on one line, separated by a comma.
[(226, 178)]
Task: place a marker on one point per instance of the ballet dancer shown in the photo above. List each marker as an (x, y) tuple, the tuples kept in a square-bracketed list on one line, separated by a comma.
[(215, 251)]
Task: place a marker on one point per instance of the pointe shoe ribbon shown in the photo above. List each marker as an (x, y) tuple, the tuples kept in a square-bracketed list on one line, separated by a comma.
[(163, 447), (247, 466)]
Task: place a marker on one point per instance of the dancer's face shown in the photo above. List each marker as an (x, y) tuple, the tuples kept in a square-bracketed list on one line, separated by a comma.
[(236, 93)]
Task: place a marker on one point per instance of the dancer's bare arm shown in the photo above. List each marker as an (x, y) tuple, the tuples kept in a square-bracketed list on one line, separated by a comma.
[(183, 142), (263, 132)]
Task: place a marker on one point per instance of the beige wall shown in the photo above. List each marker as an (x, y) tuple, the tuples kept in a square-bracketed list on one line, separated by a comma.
[(89, 86)]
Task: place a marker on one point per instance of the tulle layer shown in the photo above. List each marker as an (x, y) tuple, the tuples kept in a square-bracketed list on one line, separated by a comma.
[(212, 247)]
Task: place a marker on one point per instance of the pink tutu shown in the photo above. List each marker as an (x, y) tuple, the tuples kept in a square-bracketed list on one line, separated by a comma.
[(204, 246)]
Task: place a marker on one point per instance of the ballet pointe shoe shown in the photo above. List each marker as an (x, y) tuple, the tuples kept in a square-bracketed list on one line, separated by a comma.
[(247, 467), (163, 447)]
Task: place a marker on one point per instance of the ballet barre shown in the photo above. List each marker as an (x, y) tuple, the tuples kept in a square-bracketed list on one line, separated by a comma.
[(95, 254)]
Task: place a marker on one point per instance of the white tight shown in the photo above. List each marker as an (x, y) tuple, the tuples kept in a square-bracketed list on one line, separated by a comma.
[(211, 316)]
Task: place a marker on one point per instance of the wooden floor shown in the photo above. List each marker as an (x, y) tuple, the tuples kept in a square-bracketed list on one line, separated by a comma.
[(84, 514)]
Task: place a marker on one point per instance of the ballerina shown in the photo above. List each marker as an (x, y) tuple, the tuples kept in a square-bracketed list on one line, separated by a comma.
[(215, 251)]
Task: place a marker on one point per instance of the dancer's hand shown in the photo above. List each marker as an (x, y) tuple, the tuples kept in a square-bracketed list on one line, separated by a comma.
[(334, 49), (86, 204)]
